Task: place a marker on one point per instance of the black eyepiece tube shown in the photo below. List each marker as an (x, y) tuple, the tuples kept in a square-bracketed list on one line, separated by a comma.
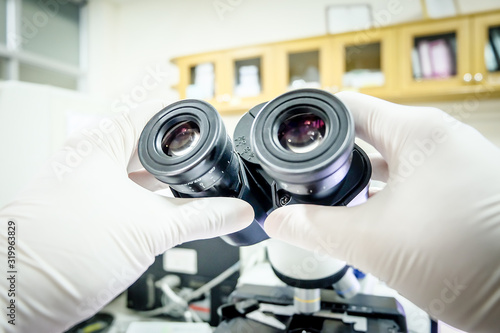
[(186, 146)]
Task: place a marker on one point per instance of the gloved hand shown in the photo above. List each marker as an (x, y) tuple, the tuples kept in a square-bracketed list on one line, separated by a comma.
[(85, 231), (433, 232)]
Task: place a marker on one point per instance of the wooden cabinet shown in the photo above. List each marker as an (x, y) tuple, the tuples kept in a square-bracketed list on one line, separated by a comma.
[(413, 62), (485, 70), (232, 80), (249, 78), (303, 63), (199, 77), (471, 40), (434, 57), (364, 61)]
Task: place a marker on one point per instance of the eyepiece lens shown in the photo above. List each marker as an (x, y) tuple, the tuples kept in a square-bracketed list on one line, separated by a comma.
[(180, 139), (301, 133)]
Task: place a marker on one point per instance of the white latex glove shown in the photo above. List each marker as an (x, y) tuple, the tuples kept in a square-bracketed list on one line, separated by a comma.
[(433, 233), (85, 231)]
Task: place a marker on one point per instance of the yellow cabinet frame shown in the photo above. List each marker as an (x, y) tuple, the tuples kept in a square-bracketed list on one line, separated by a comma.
[(186, 63), (387, 40), (230, 100), (397, 43), (281, 67), (429, 87)]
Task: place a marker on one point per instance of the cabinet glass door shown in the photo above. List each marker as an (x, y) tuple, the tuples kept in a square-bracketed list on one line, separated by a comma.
[(303, 64), (435, 57), (198, 77), (364, 61), (248, 78), (492, 50), (304, 70), (201, 81), (363, 66), (486, 72)]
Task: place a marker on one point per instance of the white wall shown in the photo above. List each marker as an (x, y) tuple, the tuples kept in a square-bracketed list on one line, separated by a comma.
[(35, 120)]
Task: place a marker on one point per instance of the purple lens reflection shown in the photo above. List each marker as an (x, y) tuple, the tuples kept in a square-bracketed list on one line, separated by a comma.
[(301, 133), (181, 139)]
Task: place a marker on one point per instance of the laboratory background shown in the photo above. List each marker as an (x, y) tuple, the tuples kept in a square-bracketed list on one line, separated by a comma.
[(65, 64)]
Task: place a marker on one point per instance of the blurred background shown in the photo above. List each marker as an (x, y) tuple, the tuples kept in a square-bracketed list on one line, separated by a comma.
[(107, 56), (67, 63)]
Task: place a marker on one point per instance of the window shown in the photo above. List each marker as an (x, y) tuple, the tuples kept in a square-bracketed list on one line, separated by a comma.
[(3, 68), (40, 41), (3, 21)]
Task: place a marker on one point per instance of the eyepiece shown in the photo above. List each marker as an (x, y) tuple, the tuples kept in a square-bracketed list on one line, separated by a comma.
[(181, 138), (304, 140), (301, 132), (186, 146)]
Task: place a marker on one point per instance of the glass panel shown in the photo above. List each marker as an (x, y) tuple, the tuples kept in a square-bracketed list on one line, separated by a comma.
[(3, 69), (51, 29), (492, 50), (3, 21), (35, 74), (435, 57), (363, 66), (247, 80), (303, 70), (201, 81)]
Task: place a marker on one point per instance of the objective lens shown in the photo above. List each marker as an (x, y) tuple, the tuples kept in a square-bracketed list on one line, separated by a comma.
[(301, 133), (181, 139)]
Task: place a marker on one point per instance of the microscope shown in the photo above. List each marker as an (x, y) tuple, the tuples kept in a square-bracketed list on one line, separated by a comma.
[(295, 149)]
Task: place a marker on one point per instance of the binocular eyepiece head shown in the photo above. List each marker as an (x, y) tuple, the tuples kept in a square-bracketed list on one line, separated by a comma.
[(297, 148)]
